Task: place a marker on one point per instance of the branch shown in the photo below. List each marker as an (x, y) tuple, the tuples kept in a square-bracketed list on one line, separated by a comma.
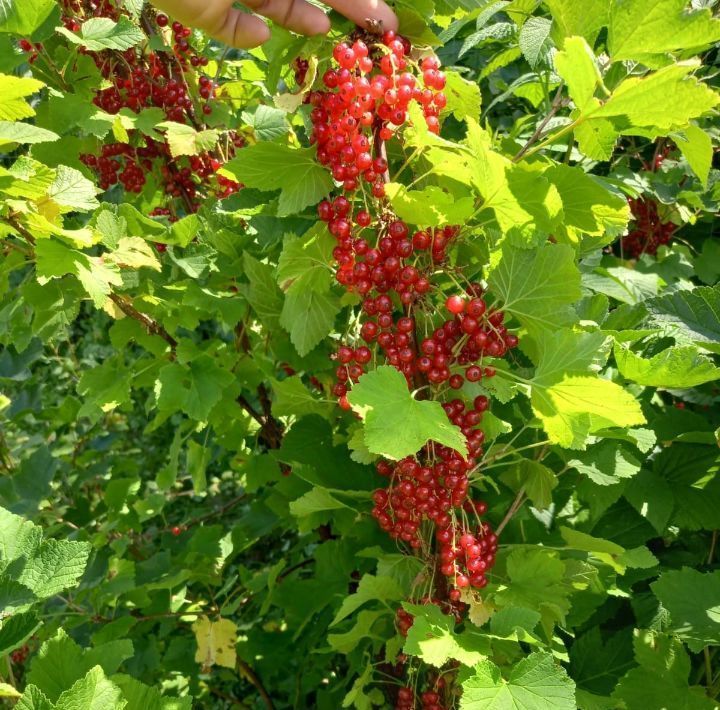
[(220, 511), (294, 568), (557, 104), (520, 498), (152, 326), (20, 230), (254, 679)]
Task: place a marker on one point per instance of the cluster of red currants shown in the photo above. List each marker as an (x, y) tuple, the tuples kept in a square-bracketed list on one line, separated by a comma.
[(392, 269), (32, 50), (20, 655), (649, 231), (366, 99), (429, 699), (433, 492), (139, 79)]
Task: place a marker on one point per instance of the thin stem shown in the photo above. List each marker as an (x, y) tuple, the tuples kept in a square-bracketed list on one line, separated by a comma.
[(254, 680), (713, 545), (11, 677), (520, 498), (556, 105), (708, 656), (554, 136)]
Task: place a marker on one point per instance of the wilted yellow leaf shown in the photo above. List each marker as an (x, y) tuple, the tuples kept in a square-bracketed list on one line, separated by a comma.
[(216, 642)]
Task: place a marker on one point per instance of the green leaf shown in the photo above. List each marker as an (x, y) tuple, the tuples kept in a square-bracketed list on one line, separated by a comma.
[(604, 551), (536, 580), (569, 352), (431, 207), (589, 206), (316, 500), (358, 698), (14, 91), (185, 140), (697, 148), (534, 40), (597, 664), (104, 388), (663, 100), (26, 133), (673, 368), (92, 692), (639, 28), (537, 286), (270, 167), (359, 450), (538, 481), (23, 17), (397, 424), (661, 679), (46, 567), (574, 19), (15, 630), (293, 398), (515, 622), (134, 253), (521, 199), (596, 139), (34, 699), (693, 316), (99, 33), (464, 99), (8, 691), (370, 588), (574, 407), (432, 638), (606, 463), (194, 388), (567, 400), (268, 122), (263, 293), (71, 189), (534, 683), (61, 662), (197, 461), (652, 497), (577, 65), (142, 697), (308, 316), (693, 600), (414, 26), (362, 629), (304, 262)]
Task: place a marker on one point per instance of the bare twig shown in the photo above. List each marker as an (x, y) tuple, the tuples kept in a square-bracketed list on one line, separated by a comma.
[(713, 545), (254, 679), (557, 104), (520, 498)]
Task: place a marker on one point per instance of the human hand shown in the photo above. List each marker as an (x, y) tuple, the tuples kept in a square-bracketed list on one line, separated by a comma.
[(240, 29)]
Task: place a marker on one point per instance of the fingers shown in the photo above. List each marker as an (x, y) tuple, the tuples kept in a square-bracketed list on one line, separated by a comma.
[(360, 11), (296, 15), (239, 29), (219, 19)]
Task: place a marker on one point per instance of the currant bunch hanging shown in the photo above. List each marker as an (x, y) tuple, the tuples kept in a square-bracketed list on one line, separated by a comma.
[(364, 104), (649, 232), (140, 79)]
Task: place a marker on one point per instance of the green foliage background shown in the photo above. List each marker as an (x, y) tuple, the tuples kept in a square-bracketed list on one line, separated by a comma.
[(141, 391)]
